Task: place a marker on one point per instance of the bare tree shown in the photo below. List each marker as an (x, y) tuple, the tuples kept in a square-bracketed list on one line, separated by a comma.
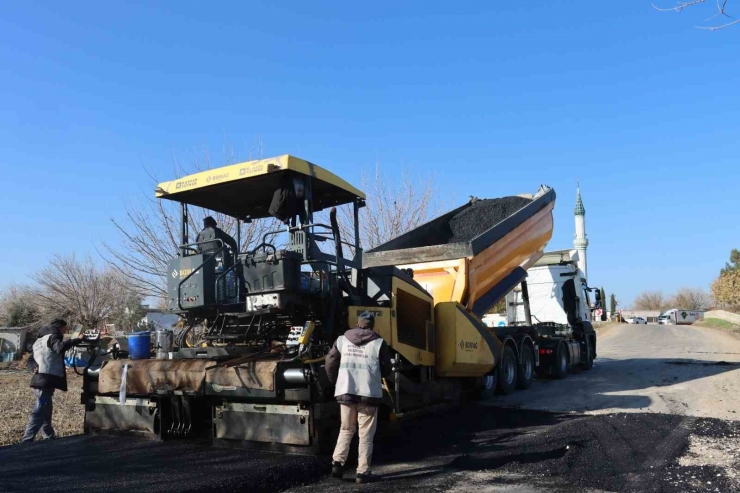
[(692, 299), (79, 290), (19, 308), (650, 300), (720, 11), (150, 232), (394, 205)]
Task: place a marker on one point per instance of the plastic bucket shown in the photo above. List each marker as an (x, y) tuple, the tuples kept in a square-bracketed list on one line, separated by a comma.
[(139, 345)]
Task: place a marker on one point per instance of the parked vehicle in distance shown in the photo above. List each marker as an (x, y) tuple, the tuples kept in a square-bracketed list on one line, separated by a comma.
[(678, 316), (637, 321)]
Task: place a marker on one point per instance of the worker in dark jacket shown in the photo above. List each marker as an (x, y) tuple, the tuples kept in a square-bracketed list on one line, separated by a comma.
[(211, 231), (356, 365), (49, 375), (226, 290)]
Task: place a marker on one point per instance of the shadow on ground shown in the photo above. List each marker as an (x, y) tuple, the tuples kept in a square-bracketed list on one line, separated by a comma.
[(595, 389)]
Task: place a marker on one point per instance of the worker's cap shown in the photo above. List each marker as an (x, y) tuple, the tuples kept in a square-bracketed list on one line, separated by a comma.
[(209, 222), (58, 322), (366, 319)]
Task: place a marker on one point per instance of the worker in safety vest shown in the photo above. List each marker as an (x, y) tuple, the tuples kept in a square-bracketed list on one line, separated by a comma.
[(356, 365), (49, 375)]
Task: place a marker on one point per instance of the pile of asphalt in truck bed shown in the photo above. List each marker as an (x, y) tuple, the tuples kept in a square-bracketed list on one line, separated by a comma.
[(483, 215)]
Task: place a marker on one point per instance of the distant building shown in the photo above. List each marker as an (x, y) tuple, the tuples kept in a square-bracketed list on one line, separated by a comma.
[(651, 316), (159, 319)]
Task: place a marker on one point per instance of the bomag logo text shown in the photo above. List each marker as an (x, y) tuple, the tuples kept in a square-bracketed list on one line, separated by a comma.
[(250, 170), (186, 183), (185, 272), (377, 313), (468, 345), (217, 177)]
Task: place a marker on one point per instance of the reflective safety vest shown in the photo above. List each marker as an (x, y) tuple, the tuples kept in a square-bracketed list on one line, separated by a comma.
[(359, 369), (49, 362)]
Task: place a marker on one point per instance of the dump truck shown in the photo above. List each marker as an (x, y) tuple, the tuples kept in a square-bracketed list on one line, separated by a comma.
[(246, 369), (558, 301), (493, 261)]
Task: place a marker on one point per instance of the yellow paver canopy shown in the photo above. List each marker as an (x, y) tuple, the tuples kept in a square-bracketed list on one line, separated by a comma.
[(246, 189)]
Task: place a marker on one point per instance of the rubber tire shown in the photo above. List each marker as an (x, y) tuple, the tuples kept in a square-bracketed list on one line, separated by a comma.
[(589, 363), (522, 380), (560, 370), (507, 379), (488, 393)]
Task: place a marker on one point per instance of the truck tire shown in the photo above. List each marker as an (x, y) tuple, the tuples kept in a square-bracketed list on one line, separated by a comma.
[(525, 372), (488, 385), (560, 365), (588, 362), (507, 372)]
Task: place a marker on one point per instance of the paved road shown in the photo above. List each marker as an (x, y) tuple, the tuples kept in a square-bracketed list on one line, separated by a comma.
[(645, 418)]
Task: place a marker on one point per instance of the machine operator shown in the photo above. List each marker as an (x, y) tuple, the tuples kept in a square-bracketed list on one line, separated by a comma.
[(226, 287), (211, 231)]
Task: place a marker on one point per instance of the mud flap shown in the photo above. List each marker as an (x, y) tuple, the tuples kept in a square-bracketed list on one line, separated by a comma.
[(267, 423), (107, 414)]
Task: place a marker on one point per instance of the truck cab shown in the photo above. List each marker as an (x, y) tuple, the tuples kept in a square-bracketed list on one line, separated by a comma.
[(558, 292), (551, 311)]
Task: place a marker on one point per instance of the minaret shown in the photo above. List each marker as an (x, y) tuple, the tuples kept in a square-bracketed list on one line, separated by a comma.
[(581, 242)]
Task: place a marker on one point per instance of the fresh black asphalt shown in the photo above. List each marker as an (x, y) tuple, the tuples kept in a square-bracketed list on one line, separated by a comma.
[(556, 452)]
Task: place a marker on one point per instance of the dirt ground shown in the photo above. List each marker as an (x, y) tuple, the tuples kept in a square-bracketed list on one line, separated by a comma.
[(16, 402)]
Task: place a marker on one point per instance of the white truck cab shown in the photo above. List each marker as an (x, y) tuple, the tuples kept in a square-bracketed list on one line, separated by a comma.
[(549, 283)]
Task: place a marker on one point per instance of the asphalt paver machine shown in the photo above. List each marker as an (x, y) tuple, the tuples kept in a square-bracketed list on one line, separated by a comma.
[(247, 366)]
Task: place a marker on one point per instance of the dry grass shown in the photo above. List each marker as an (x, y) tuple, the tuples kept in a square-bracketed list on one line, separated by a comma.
[(716, 323), (17, 400), (603, 328)]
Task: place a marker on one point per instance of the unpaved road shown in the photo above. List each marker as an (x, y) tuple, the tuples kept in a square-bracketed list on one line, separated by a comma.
[(652, 415), (669, 369)]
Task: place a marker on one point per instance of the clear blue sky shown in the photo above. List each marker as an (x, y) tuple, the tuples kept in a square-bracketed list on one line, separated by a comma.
[(493, 98)]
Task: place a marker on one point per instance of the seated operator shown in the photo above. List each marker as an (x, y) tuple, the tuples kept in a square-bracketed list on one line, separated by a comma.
[(212, 232)]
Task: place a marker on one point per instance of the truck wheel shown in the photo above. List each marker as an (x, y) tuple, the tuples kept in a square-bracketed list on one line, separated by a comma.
[(525, 372), (560, 365), (507, 372), (489, 383), (589, 361)]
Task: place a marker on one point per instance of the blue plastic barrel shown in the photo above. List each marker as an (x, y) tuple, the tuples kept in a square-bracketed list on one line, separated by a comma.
[(139, 345)]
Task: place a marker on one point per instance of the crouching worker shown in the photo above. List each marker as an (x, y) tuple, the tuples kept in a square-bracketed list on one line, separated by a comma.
[(50, 375), (356, 365)]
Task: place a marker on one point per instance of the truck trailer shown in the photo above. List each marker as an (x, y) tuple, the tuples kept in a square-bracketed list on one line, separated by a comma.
[(246, 369), (679, 316)]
